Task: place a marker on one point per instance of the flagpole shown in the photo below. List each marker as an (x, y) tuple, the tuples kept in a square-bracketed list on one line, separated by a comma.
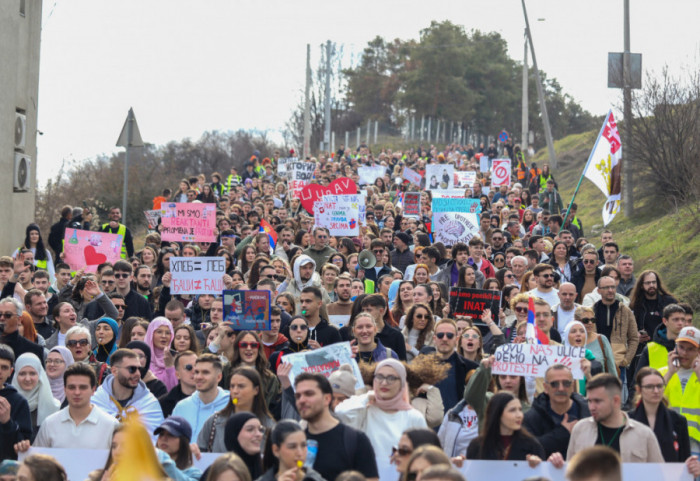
[(580, 181)]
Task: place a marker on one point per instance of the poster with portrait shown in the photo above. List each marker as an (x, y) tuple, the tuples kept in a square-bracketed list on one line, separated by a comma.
[(439, 176)]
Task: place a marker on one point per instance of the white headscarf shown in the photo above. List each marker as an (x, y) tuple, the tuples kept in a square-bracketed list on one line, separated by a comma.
[(567, 329), (57, 386), (39, 398)]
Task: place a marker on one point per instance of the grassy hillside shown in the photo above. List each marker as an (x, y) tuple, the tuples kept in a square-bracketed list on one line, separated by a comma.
[(656, 238)]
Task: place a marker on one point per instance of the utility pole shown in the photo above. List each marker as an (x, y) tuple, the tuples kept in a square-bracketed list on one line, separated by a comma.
[(307, 105), (327, 133), (628, 191), (130, 136), (525, 105), (540, 94)]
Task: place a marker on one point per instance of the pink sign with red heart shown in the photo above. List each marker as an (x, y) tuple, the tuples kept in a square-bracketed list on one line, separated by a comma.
[(315, 192), (87, 249)]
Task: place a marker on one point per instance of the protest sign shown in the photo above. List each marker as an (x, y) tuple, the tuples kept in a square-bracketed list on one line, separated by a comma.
[(484, 164), (465, 178), (500, 172), (197, 275), (534, 359), (338, 217), (282, 165), (411, 205), (449, 194), (451, 204), (299, 174), (188, 222), (439, 176), (452, 227), (88, 249), (339, 320), (152, 217), (472, 302), (247, 310), (412, 176), (324, 361), (315, 192), (369, 174), (355, 201)]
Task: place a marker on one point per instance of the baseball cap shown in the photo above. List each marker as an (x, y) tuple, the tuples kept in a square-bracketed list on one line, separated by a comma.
[(175, 425), (689, 334), (343, 381)]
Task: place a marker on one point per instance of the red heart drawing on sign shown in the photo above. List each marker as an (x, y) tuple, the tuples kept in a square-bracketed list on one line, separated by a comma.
[(314, 192), (92, 257)]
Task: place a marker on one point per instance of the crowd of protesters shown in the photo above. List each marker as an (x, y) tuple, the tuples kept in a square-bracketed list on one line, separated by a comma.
[(82, 352)]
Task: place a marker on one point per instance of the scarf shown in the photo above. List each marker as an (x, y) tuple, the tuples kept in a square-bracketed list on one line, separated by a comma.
[(233, 428), (158, 367), (40, 398), (57, 386), (104, 351), (146, 351), (401, 400)]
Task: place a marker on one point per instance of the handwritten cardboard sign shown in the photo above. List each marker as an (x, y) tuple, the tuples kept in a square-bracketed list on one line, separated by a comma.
[(451, 204), (324, 361), (88, 249), (247, 310), (412, 176), (197, 275), (472, 302), (411, 205), (188, 222), (452, 227), (282, 164), (314, 192), (369, 174), (356, 201), (152, 217), (299, 174), (534, 359), (465, 178)]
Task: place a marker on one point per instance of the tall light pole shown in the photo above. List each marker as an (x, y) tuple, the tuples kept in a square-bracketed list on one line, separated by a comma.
[(525, 126), (628, 191), (307, 106), (540, 94)]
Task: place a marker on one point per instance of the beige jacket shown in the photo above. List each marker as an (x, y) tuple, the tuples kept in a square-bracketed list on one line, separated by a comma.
[(638, 442)]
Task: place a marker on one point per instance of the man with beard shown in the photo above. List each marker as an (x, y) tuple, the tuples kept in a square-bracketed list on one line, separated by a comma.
[(340, 447), (304, 271), (498, 242), (144, 276), (340, 310), (648, 300), (123, 392), (320, 251), (449, 274), (544, 276)]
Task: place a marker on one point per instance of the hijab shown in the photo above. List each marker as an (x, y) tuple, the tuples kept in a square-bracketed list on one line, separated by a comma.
[(401, 400), (233, 428), (57, 385), (103, 351), (567, 329), (394, 292), (39, 398), (158, 367), (146, 351)]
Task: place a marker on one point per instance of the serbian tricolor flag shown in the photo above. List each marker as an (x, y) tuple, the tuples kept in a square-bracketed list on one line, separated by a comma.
[(271, 233), (534, 334)]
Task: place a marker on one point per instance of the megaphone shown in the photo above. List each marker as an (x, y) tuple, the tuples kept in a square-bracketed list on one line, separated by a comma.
[(366, 259)]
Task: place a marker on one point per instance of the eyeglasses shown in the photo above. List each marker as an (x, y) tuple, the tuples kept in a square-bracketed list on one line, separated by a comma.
[(246, 345), (401, 451), (653, 387), (7, 315), (509, 276), (441, 335), (588, 320), (121, 275), (590, 261), (378, 251), (470, 336), (381, 379), (298, 327), (188, 367), (57, 362), (547, 276), (130, 369), (521, 310), (556, 384), (120, 306), (77, 342)]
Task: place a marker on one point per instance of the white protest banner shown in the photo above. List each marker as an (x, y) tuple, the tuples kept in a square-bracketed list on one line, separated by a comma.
[(324, 360), (282, 165), (439, 176), (534, 359), (412, 176), (452, 227), (500, 172), (197, 275), (356, 201), (448, 194), (484, 164), (465, 178), (339, 320), (337, 217), (188, 222), (299, 174), (369, 174), (152, 217), (450, 204)]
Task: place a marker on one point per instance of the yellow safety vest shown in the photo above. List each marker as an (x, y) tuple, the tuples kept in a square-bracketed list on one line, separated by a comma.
[(230, 179), (685, 402), (658, 355), (122, 232), (39, 263)]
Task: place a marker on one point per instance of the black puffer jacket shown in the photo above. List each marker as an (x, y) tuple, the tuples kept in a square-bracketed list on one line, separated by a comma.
[(552, 436), (19, 426)]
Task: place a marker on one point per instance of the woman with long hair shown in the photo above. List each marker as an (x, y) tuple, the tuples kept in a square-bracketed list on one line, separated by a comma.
[(84, 291), (227, 467), (528, 282), (339, 260), (560, 261), (528, 218), (298, 341), (159, 337), (185, 339), (31, 382), (421, 459), (467, 277), (174, 440), (39, 467), (285, 454), (247, 396), (418, 329), (503, 436), (64, 318), (285, 301), (248, 351), (246, 259), (596, 344), (133, 329), (34, 242), (367, 347), (411, 440), (162, 264), (254, 273), (575, 336), (207, 195), (404, 300), (503, 276), (149, 257), (421, 275)]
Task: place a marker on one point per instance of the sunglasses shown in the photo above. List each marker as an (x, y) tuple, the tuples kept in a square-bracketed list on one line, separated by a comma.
[(556, 384), (130, 369), (401, 451), (77, 342), (7, 315), (230, 333), (299, 327), (121, 307), (589, 320), (441, 335), (421, 316), (121, 275), (188, 367), (547, 276), (246, 345), (590, 261), (520, 309)]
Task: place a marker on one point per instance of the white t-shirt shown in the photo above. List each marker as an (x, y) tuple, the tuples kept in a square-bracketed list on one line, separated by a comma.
[(552, 297), (563, 319)]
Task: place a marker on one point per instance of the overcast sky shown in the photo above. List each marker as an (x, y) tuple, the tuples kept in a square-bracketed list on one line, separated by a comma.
[(188, 66)]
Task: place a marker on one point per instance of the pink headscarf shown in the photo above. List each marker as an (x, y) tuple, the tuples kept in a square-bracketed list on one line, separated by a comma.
[(158, 368), (401, 400)]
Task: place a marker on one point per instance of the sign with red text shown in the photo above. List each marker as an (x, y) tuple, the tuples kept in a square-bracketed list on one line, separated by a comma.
[(338, 217), (472, 302), (315, 192), (247, 310), (299, 175), (197, 275), (188, 222), (500, 172), (87, 249), (465, 178), (411, 205), (324, 360), (534, 359)]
